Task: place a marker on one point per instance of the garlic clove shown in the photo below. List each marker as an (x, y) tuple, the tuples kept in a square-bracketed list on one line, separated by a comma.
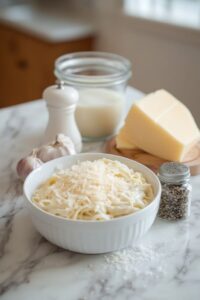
[(66, 142), (60, 147), (47, 152), (27, 165)]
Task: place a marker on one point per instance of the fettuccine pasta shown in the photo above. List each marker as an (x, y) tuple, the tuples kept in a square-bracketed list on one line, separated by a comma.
[(94, 190)]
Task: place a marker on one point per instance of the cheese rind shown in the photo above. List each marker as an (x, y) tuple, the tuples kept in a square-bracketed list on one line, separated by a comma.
[(160, 125)]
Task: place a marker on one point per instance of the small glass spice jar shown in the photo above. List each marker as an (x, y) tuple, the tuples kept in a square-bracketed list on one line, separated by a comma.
[(176, 191)]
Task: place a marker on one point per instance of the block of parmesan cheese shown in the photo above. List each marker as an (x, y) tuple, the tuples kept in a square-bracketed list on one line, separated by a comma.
[(161, 125)]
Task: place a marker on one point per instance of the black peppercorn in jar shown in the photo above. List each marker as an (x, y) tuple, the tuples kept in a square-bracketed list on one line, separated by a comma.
[(176, 191)]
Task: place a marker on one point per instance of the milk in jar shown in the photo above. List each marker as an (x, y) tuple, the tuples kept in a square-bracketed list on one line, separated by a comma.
[(99, 112)]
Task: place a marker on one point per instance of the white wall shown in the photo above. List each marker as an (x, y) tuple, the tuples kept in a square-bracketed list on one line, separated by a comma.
[(162, 56)]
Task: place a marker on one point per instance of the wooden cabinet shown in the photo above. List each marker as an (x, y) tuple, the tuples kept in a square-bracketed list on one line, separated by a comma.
[(27, 63)]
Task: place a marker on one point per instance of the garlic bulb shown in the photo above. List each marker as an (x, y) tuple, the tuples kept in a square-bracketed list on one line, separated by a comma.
[(27, 165), (65, 142), (61, 147), (46, 153)]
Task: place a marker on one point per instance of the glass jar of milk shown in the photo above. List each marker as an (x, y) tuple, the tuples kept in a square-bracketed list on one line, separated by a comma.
[(101, 79)]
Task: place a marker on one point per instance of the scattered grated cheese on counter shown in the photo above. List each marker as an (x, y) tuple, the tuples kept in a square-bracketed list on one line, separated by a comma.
[(137, 260)]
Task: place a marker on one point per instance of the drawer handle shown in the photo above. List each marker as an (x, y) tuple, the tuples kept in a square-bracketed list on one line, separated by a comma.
[(22, 64)]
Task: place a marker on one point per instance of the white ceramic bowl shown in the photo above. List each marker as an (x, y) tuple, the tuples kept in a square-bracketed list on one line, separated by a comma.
[(91, 236)]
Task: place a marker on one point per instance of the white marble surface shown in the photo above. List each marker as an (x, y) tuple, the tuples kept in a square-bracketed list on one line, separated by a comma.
[(164, 265)]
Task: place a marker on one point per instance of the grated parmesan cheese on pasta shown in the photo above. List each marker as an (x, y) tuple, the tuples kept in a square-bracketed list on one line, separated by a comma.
[(94, 190)]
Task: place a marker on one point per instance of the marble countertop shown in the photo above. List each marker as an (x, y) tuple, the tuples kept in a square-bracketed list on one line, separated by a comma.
[(163, 265)]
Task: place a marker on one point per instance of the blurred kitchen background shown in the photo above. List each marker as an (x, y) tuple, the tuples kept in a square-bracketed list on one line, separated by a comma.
[(160, 37)]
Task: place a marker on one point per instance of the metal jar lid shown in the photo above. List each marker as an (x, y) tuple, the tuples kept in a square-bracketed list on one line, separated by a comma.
[(173, 172)]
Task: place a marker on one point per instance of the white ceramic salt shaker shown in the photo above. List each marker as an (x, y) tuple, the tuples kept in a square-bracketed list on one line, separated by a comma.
[(61, 102)]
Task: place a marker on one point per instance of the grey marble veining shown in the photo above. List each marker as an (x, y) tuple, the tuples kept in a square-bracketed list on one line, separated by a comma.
[(164, 265)]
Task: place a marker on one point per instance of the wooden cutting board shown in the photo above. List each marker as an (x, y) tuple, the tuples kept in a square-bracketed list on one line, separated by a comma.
[(192, 160)]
